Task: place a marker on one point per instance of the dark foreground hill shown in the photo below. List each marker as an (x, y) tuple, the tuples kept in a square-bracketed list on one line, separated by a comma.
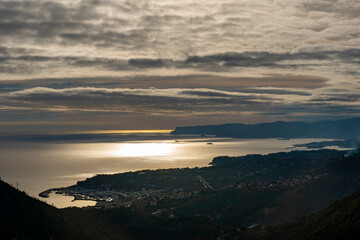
[(347, 128), (341, 220), (23, 217)]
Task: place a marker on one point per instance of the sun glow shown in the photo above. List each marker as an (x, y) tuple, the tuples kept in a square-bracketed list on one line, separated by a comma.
[(144, 149)]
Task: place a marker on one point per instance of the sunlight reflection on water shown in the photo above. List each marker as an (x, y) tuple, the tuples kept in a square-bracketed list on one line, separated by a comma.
[(144, 149), (62, 201)]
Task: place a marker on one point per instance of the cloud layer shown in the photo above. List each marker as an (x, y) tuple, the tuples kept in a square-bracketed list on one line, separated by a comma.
[(207, 35), (179, 100), (256, 58)]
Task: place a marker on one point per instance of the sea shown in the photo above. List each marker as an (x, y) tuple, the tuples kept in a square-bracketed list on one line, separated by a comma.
[(37, 164)]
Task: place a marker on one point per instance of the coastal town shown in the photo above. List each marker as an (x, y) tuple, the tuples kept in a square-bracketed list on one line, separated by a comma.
[(107, 198)]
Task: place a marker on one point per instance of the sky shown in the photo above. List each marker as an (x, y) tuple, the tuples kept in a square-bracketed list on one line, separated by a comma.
[(156, 64)]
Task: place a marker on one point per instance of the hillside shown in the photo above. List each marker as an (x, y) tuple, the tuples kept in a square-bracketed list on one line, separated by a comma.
[(23, 217), (347, 128), (341, 220)]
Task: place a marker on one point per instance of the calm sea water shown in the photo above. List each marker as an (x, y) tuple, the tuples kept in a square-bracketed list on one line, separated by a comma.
[(37, 166)]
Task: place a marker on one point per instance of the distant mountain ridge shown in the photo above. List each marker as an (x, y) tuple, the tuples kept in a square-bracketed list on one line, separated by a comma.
[(346, 128)]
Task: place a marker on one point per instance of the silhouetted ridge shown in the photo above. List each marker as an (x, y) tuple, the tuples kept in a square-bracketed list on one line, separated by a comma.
[(347, 128), (341, 220), (23, 217)]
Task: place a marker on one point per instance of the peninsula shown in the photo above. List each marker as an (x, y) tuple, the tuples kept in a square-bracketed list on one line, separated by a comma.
[(341, 129)]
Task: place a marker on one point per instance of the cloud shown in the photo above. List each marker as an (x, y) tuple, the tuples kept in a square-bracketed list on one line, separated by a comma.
[(59, 36), (349, 7), (164, 101), (39, 92), (196, 57), (159, 29), (267, 59), (221, 62), (130, 100), (146, 63), (214, 81), (351, 98)]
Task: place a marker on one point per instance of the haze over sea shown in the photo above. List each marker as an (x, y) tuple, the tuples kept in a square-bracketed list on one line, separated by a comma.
[(37, 165)]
